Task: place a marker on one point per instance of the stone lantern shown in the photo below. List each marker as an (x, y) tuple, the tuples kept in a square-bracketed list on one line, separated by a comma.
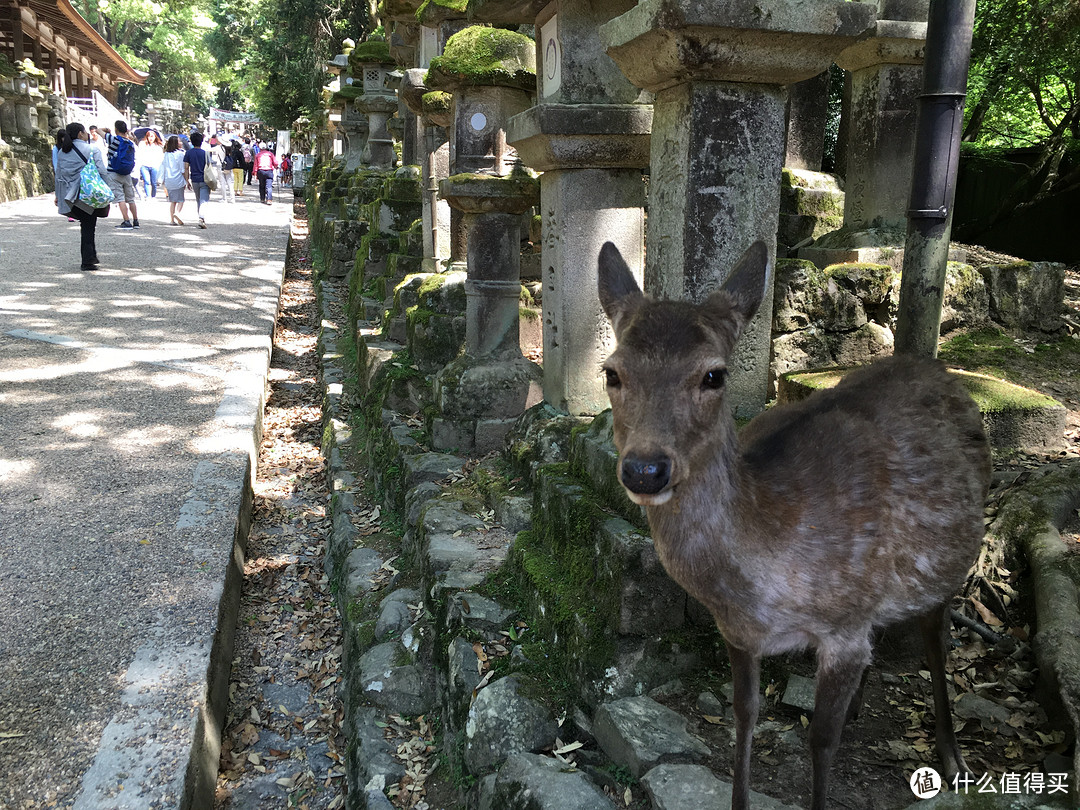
[(719, 73), (335, 104), (589, 135), (370, 66), (434, 166), (489, 73)]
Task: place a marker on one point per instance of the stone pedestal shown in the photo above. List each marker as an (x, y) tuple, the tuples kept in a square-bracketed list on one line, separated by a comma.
[(434, 158), (590, 138), (379, 149), (591, 191), (718, 135), (807, 114), (482, 393), (886, 78), (354, 127)]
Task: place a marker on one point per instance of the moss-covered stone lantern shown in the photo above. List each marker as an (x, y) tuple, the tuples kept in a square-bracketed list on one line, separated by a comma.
[(370, 66)]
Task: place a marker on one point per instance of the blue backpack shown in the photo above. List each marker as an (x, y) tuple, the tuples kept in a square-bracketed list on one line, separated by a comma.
[(123, 160)]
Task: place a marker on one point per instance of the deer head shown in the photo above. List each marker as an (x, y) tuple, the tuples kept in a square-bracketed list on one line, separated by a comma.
[(667, 378)]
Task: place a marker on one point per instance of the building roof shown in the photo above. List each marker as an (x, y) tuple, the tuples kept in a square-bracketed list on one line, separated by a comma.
[(61, 29)]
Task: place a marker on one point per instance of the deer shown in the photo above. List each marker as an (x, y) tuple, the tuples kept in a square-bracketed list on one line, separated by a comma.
[(818, 523)]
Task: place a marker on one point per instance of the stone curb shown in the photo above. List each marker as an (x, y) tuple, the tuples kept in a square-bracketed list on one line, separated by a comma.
[(1030, 519)]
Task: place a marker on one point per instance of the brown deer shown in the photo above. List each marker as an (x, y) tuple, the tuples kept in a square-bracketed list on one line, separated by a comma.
[(822, 520)]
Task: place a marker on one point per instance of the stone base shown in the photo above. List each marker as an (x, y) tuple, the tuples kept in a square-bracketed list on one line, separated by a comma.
[(885, 246), (811, 205), (481, 399), (1015, 418)]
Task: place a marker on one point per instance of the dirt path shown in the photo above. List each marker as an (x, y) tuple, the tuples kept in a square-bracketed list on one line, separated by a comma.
[(282, 745)]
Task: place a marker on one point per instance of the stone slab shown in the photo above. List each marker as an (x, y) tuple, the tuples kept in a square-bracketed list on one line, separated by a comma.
[(694, 787)]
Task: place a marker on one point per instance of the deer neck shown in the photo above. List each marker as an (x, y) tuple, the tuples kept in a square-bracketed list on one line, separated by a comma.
[(701, 523), (701, 536)]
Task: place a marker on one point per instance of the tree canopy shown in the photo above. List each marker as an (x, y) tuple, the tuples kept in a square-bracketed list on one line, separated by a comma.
[(1024, 91), (263, 56)]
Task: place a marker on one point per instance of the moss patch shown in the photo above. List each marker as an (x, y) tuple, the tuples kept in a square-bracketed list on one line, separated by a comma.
[(485, 56), (372, 51)]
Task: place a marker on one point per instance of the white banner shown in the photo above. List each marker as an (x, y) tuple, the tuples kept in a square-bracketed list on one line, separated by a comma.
[(228, 115)]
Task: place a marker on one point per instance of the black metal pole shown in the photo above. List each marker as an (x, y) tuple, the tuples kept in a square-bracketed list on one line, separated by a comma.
[(933, 184)]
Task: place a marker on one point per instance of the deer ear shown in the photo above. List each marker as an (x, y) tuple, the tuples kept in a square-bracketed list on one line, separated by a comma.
[(746, 284), (619, 292), (742, 293)]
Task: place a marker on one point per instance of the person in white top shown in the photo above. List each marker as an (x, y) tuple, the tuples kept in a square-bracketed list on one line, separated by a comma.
[(148, 155), (172, 177)]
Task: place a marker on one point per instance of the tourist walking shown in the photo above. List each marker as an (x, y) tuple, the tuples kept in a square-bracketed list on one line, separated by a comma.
[(249, 161), (195, 160), (221, 158), (265, 164), (237, 153), (57, 143), (121, 164), (149, 154), (172, 177), (74, 153)]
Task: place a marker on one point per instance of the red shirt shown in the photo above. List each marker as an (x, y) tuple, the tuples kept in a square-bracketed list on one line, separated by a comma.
[(265, 161)]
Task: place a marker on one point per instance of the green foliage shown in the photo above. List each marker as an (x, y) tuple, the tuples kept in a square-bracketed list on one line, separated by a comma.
[(168, 39), (276, 50), (1022, 86)]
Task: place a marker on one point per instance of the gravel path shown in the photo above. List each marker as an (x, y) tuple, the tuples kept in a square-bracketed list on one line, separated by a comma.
[(129, 404)]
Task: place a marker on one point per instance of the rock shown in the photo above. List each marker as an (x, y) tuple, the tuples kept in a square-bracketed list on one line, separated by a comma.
[(966, 302), (478, 613), (390, 678), (394, 614), (370, 754), (255, 794), (502, 723), (360, 567), (514, 512), (464, 674), (533, 782), (417, 498), (709, 704), (799, 693), (427, 467), (694, 787), (639, 733), (1026, 294), (990, 715), (293, 698)]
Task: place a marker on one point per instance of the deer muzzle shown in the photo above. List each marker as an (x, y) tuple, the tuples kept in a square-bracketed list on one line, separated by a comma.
[(646, 479)]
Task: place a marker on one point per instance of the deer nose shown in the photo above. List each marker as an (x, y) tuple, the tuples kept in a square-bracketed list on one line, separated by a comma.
[(646, 476)]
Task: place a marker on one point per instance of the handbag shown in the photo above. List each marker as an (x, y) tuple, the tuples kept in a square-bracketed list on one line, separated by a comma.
[(94, 192), (210, 175)]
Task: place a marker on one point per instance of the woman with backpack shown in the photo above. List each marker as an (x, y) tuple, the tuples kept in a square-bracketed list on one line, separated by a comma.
[(73, 155), (265, 164)]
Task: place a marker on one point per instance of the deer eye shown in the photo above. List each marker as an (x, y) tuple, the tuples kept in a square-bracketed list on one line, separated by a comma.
[(714, 379), (613, 380)]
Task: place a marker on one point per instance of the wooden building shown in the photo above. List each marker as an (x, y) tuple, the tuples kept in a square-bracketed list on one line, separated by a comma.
[(75, 56)]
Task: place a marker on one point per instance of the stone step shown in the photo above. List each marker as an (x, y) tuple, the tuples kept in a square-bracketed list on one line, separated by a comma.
[(1015, 418)]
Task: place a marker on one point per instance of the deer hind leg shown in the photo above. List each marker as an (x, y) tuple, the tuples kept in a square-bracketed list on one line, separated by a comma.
[(840, 676), (745, 678), (934, 630)]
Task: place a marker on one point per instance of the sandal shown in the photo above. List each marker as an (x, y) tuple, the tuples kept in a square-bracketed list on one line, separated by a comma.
[(177, 221)]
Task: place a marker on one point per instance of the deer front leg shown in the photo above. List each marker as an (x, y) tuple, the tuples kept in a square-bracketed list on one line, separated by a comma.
[(934, 628), (839, 679), (745, 679)]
